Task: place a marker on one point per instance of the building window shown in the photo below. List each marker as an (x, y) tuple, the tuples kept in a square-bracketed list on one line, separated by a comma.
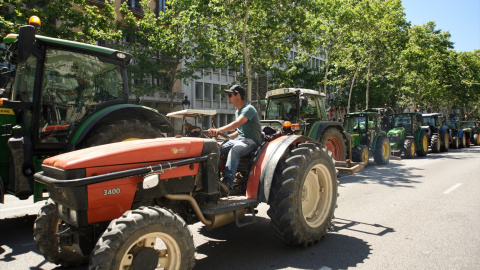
[(216, 92), (208, 91), (198, 90)]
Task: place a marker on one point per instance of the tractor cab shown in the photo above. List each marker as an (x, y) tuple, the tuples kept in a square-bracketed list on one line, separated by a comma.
[(363, 126)]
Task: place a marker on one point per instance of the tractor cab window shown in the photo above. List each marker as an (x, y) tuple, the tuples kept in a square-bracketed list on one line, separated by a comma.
[(355, 124), (428, 121), (24, 79), (73, 85), (309, 107), (281, 108)]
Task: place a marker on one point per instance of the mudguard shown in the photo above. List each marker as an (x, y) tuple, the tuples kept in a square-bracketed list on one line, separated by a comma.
[(120, 111), (443, 129), (263, 169), (318, 127)]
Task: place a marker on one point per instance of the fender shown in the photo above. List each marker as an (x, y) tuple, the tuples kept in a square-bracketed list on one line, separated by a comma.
[(117, 112), (443, 129), (261, 173), (318, 127)]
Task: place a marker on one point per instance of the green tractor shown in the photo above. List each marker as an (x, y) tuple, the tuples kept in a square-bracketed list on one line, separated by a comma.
[(305, 110), (456, 133), (61, 96), (368, 137), (438, 132), (407, 136), (471, 130)]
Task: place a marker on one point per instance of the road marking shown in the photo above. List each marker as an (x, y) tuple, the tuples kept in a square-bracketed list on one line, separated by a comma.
[(324, 268), (452, 188), (20, 207)]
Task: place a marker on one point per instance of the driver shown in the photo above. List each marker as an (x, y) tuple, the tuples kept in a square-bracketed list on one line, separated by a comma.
[(246, 137)]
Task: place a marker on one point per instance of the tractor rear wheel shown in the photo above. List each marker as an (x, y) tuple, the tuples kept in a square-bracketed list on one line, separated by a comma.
[(423, 145), (122, 130), (435, 144), (304, 195), (146, 238), (382, 151), (333, 139), (445, 142), (360, 154), (476, 139), (44, 229), (409, 148)]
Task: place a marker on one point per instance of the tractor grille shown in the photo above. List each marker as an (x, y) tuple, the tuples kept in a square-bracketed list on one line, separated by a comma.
[(394, 139)]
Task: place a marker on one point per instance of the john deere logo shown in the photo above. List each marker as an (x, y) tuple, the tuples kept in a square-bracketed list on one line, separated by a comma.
[(6, 111)]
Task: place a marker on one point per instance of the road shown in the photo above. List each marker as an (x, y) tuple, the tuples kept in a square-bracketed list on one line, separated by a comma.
[(410, 214)]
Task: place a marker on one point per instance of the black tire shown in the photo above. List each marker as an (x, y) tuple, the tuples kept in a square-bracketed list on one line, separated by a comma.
[(382, 151), (445, 142), (303, 195), (409, 148), (455, 143), (463, 141), (422, 149), (360, 154), (121, 130), (333, 139), (45, 227), (435, 143), (124, 243)]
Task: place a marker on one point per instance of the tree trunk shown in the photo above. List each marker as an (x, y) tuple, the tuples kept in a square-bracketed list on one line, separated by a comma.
[(368, 82), (247, 56)]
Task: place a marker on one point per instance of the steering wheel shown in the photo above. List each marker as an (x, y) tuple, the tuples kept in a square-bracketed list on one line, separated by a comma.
[(221, 140)]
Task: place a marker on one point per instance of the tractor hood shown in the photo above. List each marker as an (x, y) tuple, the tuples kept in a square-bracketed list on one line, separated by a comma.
[(132, 152), (397, 130)]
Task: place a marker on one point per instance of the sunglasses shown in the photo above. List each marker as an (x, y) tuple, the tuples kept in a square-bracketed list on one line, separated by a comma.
[(230, 95)]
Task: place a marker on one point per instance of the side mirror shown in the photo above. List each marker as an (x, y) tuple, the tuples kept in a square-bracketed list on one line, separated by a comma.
[(151, 181), (26, 38)]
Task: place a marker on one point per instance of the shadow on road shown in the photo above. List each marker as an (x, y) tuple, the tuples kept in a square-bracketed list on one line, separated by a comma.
[(256, 247)]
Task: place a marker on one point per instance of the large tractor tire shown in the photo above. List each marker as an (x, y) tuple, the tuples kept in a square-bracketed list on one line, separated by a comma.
[(423, 145), (45, 227), (360, 154), (435, 144), (409, 148), (445, 142), (333, 139), (122, 130), (382, 151), (303, 195), (146, 238), (455, 143)]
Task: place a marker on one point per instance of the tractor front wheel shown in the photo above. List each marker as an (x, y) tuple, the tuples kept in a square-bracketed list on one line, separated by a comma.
[(455, 143), (304, 195), (146, 238), (463, 141), (435, 144), (476, 139), (122, 130), (382, 151), (44, 229), (409, 148), (333, 139), (423, 145), (360, 154)]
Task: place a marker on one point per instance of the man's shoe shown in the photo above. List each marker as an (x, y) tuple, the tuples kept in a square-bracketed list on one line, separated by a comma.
[(235, 190)]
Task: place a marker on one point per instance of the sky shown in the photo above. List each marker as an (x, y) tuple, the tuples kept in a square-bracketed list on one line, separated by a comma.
[(460, 17)]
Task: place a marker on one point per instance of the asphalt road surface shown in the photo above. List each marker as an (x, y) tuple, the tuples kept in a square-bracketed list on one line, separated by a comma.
[(422, 213)]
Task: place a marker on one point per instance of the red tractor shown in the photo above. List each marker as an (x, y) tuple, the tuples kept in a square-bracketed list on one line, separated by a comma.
[(127, 204)]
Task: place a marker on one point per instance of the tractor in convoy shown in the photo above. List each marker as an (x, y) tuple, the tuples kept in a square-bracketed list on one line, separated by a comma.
[(456, 133), (471, 130), (127, 204), (305, 110), (438, 133), (407, 135), (61, 96), (368, 137)]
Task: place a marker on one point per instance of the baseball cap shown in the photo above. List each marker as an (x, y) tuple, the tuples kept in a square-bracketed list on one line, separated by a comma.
[(236, 89)]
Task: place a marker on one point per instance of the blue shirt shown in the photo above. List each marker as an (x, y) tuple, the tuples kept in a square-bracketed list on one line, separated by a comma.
[(252, 128)]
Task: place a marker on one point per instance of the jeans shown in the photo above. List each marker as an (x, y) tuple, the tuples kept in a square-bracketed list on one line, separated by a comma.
[(236, 149)]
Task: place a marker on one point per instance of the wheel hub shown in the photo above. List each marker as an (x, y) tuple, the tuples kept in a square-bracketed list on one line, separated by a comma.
[(145, 259)]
